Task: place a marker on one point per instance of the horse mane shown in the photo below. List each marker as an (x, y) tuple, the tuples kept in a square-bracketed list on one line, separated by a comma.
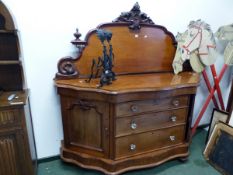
[(201, 24), (181, 36)]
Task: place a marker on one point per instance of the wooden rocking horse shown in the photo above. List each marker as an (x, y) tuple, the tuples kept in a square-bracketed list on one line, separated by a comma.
[(197, 44)]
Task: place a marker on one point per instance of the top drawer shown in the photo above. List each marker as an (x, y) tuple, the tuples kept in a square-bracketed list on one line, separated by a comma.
[(137, 107)]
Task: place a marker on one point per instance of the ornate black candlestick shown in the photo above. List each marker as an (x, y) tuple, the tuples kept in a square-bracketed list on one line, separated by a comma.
[(105, 63)]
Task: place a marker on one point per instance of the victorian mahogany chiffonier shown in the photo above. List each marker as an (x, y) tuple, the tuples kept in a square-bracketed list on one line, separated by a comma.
[(17, 146), (143, 118)]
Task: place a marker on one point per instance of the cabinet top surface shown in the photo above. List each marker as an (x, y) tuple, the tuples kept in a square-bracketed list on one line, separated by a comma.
[(19, 99), (134, 83)]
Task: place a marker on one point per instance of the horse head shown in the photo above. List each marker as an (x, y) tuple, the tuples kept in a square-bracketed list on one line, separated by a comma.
[(191, 39), (195, 62), (196, 44), (199, 37), (225, 33), (178, 62)]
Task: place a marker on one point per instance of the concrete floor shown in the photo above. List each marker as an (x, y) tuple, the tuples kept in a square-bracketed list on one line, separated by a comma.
[(196, 165)]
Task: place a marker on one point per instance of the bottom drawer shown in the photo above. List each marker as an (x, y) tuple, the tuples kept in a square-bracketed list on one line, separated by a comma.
[(148, 141)]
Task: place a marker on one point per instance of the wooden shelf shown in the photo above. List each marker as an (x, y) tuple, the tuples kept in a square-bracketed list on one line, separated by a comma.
[(9, 62), (8, 31)]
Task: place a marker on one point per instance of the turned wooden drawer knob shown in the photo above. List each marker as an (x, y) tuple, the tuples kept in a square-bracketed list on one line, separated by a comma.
[(173, 118), (133, 125), (173, 138), (176, 103), (134, 108), (132, 147)]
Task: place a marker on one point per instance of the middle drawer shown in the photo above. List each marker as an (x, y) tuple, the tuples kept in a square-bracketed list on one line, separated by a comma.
[(142, 123)]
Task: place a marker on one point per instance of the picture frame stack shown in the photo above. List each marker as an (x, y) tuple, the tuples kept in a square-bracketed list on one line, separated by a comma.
[(218, 151), (230, 100), (217, 116)]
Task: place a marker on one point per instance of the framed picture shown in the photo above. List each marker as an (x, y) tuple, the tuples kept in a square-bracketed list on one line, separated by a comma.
[(230, 100), (217, 116), (218, 151)]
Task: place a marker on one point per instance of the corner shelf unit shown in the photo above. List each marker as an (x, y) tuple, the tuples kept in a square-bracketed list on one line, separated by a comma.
[(17, 145)]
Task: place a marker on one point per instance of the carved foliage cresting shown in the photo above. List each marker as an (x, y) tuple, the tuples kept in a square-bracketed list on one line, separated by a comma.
[(135, 17)]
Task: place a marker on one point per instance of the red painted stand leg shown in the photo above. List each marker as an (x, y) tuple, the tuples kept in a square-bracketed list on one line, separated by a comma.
[(209, 87), (216, 82), (208, 100)]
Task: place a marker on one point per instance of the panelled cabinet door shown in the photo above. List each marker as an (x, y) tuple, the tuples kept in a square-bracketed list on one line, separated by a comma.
[(12, 160), (86, 125)]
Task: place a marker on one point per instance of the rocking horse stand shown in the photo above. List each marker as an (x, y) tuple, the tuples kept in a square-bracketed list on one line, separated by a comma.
[(201, 39), (223, 33), (211, 95)]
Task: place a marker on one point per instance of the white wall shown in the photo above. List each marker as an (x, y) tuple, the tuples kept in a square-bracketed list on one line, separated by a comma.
[(47, 26)]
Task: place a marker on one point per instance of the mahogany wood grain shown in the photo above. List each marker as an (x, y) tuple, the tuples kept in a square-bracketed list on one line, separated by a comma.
[(137, 107), (86, 125), (150, 121), (114, 167), (147, 141), (17, 144), (16, 136), (10, 117), (22, 97), (125, 97), (10, 150), (135, 83), (144, 117), (150, 47)]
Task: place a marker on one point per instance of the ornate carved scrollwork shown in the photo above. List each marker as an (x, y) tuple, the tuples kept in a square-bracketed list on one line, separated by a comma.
[(135, 17), (82, 104), (66, 68)]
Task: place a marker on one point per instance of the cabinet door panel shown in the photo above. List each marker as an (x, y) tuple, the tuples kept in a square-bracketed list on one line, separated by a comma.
[(11, 149), (86, 125)]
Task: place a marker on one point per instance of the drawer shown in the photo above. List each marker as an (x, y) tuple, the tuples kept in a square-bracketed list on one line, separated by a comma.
[(9, 117), (151, 121), (137, 107), (148, 141)]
